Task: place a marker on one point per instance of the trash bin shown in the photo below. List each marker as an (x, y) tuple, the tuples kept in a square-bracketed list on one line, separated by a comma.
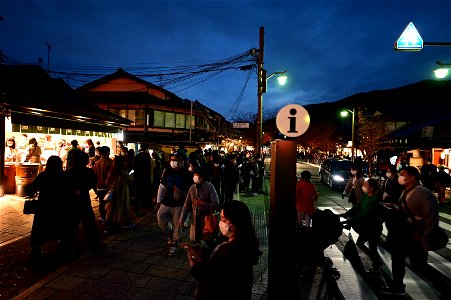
[(10, 174), (25, 174)]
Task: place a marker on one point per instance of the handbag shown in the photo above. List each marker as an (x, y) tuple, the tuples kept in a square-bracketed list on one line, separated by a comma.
[(211, 226), (110, 194), (31, 206)]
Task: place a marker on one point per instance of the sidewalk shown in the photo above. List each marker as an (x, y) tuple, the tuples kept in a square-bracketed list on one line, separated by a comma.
[(134, 263)]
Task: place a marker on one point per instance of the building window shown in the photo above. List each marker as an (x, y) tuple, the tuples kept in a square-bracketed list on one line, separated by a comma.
[(131, 115), (200, 122), (139, 117), (187, 122), (123, 113), (179, 121), (169, 120), (158, 118)]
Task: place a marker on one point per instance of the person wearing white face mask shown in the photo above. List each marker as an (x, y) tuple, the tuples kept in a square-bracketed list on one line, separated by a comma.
[(171, 196), (414, 216), (201, 200), (231, 259), (391, 189), (365, 219), (353, 189)]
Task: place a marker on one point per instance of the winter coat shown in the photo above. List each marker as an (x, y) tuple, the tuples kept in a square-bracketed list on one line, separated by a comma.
[(306, 196), (207, 193)]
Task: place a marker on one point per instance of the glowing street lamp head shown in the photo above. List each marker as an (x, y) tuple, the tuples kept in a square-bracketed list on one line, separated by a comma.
[(344, 113), (282, 79), (441, 73)]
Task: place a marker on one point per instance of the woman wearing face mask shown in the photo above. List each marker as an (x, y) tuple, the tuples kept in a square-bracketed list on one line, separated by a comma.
[(353, 189), (418, 202), (365, 219), (10, 150), (391, 189), (201, 200), (225, 270)]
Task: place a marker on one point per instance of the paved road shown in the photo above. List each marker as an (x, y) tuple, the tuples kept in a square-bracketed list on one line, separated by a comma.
[(435, 285)]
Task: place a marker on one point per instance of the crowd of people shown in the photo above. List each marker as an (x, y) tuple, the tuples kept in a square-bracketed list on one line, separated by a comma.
[(405, 202), (181, 188)]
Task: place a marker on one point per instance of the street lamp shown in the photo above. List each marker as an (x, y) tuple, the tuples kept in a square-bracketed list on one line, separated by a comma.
[(262, 87), (443, 70), (345, 114)]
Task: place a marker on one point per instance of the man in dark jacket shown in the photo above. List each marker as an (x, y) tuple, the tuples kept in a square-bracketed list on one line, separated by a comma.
[(142, 173)]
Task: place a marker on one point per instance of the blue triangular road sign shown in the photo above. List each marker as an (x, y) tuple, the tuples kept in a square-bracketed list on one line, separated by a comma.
[(410, 39)]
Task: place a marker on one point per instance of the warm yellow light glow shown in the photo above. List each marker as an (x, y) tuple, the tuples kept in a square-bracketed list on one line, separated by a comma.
[(441, 73)]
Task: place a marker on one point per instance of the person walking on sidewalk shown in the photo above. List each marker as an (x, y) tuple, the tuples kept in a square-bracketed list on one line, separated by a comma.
[(201, 200), (306, 197), (174, 185), (231, 177), (415, 215), (225, 270), (101, 168), (118, 212), (143, 175), (81, 180), (50, 221)]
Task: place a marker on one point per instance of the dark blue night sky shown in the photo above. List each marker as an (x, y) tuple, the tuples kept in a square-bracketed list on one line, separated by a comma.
[(331, 49)]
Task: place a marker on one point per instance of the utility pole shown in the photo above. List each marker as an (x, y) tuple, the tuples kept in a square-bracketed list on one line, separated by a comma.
[(260, 86), (353, 135), (49, 47)]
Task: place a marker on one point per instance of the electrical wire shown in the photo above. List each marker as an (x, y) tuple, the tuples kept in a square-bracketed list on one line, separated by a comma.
[(237, 102)]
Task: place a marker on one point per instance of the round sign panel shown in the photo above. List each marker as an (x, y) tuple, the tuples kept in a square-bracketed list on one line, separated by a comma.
[(292, 120)]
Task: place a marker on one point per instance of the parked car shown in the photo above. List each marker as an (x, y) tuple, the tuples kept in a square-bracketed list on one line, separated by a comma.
[(335, 172)]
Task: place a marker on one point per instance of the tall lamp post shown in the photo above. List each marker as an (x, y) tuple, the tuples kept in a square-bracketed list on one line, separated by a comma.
[(261, 86), (345, 114)]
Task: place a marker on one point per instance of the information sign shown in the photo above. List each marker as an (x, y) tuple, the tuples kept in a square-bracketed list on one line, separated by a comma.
[(293, 120)]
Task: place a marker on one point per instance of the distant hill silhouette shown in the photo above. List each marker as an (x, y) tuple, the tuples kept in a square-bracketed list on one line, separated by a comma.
[(412, 103)]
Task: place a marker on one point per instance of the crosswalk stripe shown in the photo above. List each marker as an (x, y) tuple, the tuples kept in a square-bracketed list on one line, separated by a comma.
[(415, 286)]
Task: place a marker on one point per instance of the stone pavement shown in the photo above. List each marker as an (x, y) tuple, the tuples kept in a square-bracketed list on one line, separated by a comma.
[(133, 264)]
